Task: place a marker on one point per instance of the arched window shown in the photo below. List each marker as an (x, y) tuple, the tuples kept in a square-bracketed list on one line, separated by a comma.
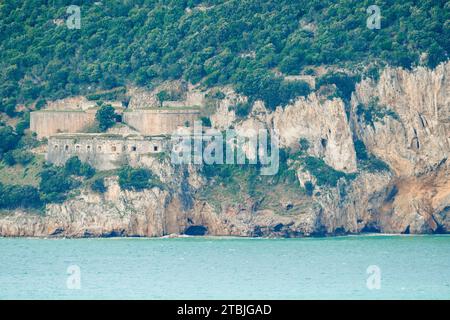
[(66, 147)]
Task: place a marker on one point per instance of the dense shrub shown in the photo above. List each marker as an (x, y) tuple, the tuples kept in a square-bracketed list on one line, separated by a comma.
[(55, 184), (98, 185), (344, 83), (136, 179), (106, 117), (23, 125), (40, 103), (8, 139), (22, 157), (360, 150), (243, 109), (369, 162), (374, 112), (16, 196), (74, 166), (28, 141), (309, 188), (222, 171), (8, 158), (273, 90), (374, 164), (324, 174), (162, 96), (206, 121), (304, 144)]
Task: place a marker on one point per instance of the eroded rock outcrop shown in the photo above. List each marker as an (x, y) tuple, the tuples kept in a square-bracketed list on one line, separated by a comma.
[(403, 119), (416, 136), (414, 139), (324, 124)]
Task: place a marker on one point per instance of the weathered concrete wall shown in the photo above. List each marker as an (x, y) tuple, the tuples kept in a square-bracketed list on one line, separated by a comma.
[(102, 151), (157, 121), (47, 123)]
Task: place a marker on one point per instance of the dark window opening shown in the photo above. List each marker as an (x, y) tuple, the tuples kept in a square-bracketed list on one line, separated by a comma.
[(155, 148), (133, 148), (67, 148)]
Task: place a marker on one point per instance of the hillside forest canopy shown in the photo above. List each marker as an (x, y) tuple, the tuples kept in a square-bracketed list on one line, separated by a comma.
[(248, 44)]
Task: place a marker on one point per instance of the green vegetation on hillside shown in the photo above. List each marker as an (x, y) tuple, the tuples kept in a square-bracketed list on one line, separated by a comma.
[(74, 166), (106, 117), (18, 196), (137, 179), (248, 44), (55, 184), (241, 43), (98, 185), (368, 161), (374, 112), (324, 174)]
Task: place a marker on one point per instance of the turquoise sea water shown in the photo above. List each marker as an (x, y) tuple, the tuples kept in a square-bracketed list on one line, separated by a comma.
[(411, 267)]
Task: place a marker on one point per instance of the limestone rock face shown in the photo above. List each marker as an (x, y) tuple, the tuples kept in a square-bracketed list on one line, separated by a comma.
[(224, 116), (420, 137), (120, 213), (415, 144), (324, 124), (403, 119)]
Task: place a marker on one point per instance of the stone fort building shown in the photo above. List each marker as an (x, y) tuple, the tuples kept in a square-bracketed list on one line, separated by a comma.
[(104, 151), (147, 134)]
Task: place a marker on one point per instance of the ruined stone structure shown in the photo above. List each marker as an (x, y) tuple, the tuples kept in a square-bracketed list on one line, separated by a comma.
[(103, 151), (150, 130), (147, 121), (49, 122), (159, 121)]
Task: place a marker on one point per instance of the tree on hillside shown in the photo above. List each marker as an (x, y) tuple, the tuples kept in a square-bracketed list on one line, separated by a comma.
[(136, 179), (8, 139), (74, 166), (106, 117), (162, 96)]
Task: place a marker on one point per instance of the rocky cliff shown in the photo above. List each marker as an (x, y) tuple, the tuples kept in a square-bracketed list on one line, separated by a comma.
[(402, 119)]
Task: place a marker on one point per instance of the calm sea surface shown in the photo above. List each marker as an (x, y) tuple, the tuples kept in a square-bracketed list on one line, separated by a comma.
[(226, 268)]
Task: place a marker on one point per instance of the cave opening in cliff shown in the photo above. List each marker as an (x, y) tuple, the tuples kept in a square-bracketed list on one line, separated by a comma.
[(407, 231), (196, 230)]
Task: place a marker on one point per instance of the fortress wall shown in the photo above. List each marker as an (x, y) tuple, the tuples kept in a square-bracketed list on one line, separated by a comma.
[(154, 122), (174, 104), (101, 151), (47, 123)]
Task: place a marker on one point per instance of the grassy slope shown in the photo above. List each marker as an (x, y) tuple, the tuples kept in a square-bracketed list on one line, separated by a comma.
[(21, 175)]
